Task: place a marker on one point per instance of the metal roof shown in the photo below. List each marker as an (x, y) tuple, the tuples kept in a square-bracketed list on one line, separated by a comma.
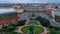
[(57, 14), (6, 10)]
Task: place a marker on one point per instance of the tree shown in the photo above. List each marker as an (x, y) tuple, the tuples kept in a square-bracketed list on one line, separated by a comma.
[(1, 31), (13, 24), (38, 18), (21, 22), (8, 28), (31, 19), (45, 22), (56, 7), (53, 32), (54, 27), (13, 33)]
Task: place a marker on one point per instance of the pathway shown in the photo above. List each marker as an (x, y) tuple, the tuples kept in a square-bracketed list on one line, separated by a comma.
[(20, 28)]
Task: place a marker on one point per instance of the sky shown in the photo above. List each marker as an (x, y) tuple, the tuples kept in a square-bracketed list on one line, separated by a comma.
[(29, 1)]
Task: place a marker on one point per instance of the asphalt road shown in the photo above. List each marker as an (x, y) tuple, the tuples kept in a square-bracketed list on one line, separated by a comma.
[(27, 16), (53, 22)]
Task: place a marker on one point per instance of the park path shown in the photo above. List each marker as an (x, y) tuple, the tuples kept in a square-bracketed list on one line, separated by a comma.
[(19, 30)]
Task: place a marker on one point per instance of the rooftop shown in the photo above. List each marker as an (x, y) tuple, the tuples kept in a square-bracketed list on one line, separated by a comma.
[(57, 14), (34, 7), (6, 10), (56, 10)]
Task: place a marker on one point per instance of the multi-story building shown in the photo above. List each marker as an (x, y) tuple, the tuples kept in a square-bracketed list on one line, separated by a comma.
[(54, 11), (19, 9), (57, 18), (37, 9), (8, 15)]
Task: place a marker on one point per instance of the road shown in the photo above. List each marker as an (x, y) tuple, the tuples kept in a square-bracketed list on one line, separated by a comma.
[(27, 16), (53, 22)]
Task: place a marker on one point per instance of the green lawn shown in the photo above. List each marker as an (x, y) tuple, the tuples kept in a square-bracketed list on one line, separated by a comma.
[(37, 30), (33, 22)]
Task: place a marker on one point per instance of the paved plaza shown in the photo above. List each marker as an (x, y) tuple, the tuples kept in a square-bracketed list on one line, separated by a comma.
[(28, 15)]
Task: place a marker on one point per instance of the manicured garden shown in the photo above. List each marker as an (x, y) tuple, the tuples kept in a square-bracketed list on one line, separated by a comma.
[(10, 28), (33, 22), (46, 23), (37, 30)]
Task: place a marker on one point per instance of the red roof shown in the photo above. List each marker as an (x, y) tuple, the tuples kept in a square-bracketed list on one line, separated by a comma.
[(15, 19), (18, 7), (4, 22)]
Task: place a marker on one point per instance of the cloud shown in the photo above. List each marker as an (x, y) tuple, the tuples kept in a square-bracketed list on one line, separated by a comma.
[(29, 1)]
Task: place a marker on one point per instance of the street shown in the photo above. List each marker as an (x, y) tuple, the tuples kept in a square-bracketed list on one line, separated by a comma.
[(28, 15)]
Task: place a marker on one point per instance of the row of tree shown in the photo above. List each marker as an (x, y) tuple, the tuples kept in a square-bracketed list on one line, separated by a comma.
[(54, 30), (46, 23), (8, 29)]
